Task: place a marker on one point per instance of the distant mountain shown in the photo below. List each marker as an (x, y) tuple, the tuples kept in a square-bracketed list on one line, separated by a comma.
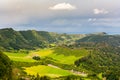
[(113, 40), (97, 33), (32, 39)]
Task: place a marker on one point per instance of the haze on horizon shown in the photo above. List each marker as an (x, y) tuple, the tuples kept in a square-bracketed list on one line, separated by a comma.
[(68, 16)]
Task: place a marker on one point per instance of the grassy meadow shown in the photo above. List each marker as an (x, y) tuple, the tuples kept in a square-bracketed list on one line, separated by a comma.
[(22, 57), (43, 70), (41, 52), (60, 58)]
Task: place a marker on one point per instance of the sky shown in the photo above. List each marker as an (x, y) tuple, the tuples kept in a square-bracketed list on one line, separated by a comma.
[(62, 16)]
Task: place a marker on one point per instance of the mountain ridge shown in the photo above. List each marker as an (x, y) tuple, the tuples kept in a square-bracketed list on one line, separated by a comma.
[(32, 39)]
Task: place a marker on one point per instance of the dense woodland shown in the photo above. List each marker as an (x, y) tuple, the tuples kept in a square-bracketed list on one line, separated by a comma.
[(94, 54)]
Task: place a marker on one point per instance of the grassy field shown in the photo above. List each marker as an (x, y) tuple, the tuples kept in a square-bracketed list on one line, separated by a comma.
[(43, 70), (64, 59), (22, 57), (41, 52), (68, 56), (60, 58)]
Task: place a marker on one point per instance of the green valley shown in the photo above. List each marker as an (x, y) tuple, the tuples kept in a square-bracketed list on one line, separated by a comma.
[(40, 55)]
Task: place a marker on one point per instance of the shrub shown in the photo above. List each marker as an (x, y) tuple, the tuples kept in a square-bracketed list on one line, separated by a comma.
[(36, 58)]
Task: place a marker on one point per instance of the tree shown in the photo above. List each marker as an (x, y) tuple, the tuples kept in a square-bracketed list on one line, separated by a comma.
[(36, 58)]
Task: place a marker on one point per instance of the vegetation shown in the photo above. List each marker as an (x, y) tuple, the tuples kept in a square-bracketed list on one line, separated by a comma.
[(66, 55), (31, 39), (43, 70), (113, 40), (36, 58), (22, 57), (102, 59), (40, 55), (5, 67)]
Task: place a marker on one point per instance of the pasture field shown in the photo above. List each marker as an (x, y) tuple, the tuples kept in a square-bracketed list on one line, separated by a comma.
[(67, 56), (59, 58), (22, 57), (41, 52), (43, 70), (64, 59)]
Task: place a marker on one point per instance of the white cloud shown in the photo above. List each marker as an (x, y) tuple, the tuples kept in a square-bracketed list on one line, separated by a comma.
[(100, 11), (63, 6)]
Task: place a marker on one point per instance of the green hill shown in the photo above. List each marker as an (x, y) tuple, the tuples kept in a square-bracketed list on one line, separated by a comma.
[(10, 39)]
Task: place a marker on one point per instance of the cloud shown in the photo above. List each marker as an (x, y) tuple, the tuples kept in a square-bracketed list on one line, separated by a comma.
[(108, 22), (60, 16), (100, 11), (92, 19), (62, 6)]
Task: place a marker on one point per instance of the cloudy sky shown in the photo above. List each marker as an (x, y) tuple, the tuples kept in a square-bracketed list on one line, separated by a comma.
[(67, 16)]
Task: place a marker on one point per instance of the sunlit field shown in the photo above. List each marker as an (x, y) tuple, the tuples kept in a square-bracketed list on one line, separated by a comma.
[(22, 57), (59, 58), (43, 70), (41, 52)]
